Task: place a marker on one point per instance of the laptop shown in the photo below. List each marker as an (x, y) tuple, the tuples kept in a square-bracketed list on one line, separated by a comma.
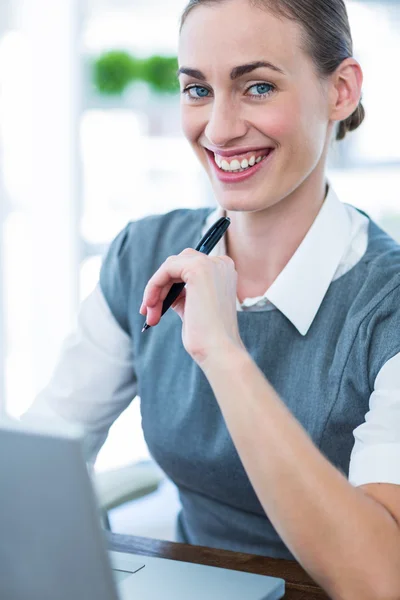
[(52, 546)]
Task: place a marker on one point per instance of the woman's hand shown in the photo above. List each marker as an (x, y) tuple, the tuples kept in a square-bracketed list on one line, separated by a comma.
[(207, 305)]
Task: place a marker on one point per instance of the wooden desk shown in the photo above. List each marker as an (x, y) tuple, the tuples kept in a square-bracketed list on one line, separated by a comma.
[(299, 586)]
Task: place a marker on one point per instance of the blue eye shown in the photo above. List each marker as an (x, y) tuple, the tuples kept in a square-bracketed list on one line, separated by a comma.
[(197, 91), (261, 89)]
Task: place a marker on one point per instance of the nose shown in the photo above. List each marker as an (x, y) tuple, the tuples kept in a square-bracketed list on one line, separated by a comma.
[(225, 123)]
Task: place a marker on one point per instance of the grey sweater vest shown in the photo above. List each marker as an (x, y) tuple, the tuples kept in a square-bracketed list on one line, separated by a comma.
[(325, 377)]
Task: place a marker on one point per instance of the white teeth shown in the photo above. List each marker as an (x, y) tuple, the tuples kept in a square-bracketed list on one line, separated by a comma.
[(235, 165), (225, 165)]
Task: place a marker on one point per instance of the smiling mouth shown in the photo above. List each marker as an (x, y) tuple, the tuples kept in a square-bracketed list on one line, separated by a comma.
[(239, 164)]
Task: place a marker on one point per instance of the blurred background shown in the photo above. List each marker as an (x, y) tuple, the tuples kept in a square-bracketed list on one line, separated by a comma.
[(90, 138)]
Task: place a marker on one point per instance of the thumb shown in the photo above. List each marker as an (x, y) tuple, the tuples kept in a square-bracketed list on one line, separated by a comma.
[(179, 305)]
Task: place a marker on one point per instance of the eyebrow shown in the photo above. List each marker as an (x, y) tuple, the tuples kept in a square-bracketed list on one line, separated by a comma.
[(236, 71)]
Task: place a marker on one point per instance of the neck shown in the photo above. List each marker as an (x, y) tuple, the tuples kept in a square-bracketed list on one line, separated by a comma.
[(262, 243)]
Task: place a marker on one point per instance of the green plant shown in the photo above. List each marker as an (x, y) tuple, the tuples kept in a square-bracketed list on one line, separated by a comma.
[(112, 72), (160, 73), (115, 70)]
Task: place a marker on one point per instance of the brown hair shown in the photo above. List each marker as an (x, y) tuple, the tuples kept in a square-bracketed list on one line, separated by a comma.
[(328, 37)]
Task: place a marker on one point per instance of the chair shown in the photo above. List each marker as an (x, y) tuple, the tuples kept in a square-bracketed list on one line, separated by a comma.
[(117, 486)]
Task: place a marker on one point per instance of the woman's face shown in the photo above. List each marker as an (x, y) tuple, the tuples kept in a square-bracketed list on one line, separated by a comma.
[(258, 129)]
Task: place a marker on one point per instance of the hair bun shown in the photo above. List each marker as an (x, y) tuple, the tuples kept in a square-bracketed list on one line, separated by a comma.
[(352, 122)]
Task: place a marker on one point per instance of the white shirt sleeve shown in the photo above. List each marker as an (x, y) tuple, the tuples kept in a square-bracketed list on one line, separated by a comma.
[(375, 457), (94, 379)]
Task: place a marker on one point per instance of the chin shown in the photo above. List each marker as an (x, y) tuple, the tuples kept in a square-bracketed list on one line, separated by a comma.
[(242, 202)]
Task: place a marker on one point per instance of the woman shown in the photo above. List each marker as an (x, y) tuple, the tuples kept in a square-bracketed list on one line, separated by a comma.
[(257, 405)]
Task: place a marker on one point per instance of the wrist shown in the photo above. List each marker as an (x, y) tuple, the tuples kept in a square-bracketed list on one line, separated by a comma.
[(225, 357)]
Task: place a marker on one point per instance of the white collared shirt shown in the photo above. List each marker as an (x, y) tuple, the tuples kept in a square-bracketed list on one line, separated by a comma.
[(94, 380)]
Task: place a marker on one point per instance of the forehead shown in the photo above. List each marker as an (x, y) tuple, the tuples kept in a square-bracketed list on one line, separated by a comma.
[(236, 32)]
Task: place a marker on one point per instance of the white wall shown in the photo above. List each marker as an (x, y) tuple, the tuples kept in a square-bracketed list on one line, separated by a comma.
[(41, 84)]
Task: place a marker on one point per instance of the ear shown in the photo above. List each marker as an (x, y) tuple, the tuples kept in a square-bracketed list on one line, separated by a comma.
[(346, 89)]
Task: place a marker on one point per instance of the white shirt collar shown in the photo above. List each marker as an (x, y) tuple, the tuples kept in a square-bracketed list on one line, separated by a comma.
[(299, 289)]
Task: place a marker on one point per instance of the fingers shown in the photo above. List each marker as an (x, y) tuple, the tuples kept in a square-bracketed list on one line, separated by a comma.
[(173, 270), (227, 260), (156, 290), (155, 312), (176, 268)]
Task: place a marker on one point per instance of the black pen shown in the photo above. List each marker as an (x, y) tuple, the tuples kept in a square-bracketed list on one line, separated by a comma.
[(206, 244)]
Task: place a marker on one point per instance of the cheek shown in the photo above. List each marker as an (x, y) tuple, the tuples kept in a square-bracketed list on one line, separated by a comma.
[(312, 121), (293, 124), (192, 125), (277, 123)]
